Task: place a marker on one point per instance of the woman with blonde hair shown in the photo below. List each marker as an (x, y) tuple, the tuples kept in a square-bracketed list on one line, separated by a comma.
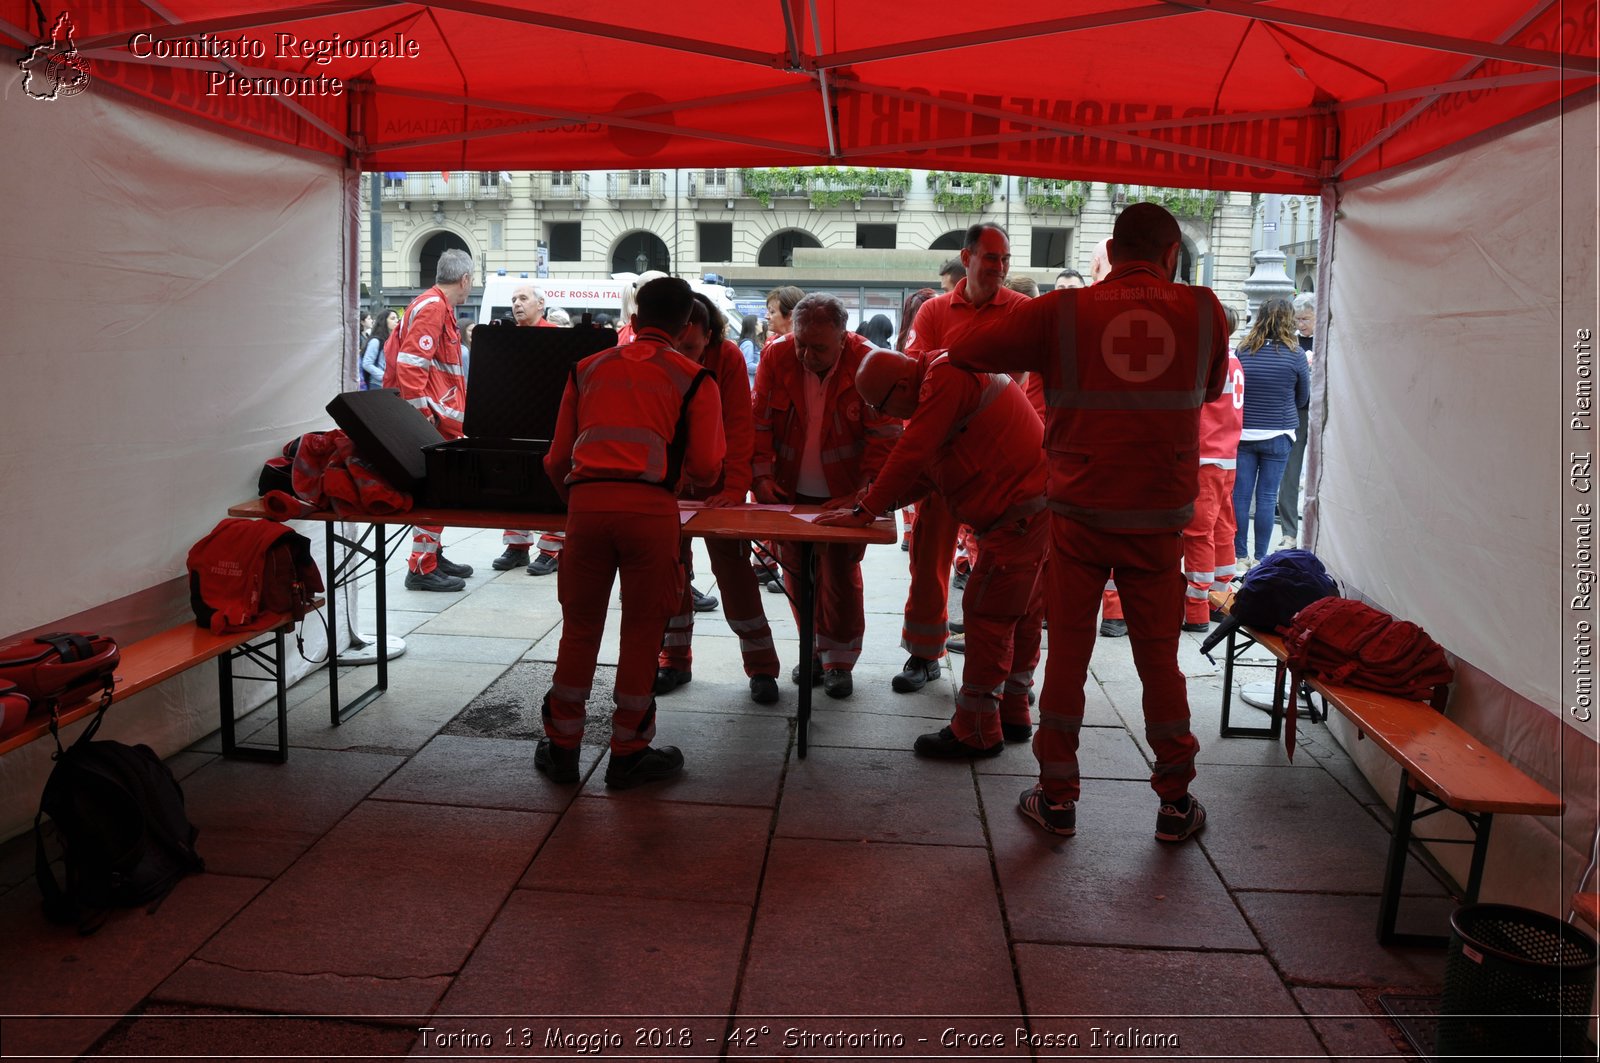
[(1277, 382)]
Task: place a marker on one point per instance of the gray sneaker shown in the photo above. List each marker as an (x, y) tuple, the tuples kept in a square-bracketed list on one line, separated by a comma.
[(1059, 819), (1173, 825)]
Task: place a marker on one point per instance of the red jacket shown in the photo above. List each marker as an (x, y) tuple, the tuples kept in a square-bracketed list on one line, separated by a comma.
[(727, 368), (620, 416), (1222, 419), (1126, 365), (855, 439), (427, 365), (944, 317), (974, 439)]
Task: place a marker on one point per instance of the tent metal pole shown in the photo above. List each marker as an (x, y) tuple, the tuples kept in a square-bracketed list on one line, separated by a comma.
[(822, 83)]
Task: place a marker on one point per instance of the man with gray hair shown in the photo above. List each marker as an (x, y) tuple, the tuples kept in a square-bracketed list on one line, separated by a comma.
[(1305, 321), (429, 373), (817, 443)]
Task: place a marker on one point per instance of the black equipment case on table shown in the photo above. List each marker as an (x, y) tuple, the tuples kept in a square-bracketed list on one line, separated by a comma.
[(515, 381), (388, 433)]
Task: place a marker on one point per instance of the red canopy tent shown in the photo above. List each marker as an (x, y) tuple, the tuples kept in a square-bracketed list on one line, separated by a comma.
[(1230, 94)]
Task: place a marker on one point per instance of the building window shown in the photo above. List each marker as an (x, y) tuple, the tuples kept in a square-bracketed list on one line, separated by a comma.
[(639, 177), (497, 236), (561, 177), (716, 241), (566, 241), (875, 236), (716, 178), (1051, 248)]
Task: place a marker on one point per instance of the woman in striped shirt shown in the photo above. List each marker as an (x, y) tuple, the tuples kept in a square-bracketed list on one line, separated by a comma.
[(1277, 382)]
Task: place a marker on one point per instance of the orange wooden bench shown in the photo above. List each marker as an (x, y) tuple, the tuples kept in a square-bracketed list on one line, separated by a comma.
[(168, 653), (1439, 761)]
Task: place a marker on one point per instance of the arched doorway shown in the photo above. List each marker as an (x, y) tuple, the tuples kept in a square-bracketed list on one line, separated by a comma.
[(953, 240), (432, 248), (779, 248), (639, 252)]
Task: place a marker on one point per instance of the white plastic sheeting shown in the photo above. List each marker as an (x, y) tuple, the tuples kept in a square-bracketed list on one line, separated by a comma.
[(175, 311), (1443, 459)]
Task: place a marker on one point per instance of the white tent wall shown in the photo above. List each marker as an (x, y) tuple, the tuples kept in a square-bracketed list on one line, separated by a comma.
[(176, 307), (1442, 462)]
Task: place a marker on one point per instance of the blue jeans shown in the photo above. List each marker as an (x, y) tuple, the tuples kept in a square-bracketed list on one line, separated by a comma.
[(1261, 465)]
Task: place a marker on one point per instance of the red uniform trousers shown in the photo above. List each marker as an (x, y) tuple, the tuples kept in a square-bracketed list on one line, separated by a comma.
[(1208, 561), (1110, 600), (1151, 585), (640, 543), (549, 542), (741, 605), (966, 556), (926, 624), (840, 612), (1003, 607), (424, 548)]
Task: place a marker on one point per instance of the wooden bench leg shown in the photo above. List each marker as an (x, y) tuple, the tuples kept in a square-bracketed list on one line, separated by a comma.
[(276, 668), (1234, 650)]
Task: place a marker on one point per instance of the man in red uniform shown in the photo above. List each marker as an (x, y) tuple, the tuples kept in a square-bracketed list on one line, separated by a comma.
[(1208, 561), (1127, 364), (816, 442), (703, 342), (428, 372), (527, 311), (634, 421), (979, 296), (974, 439)]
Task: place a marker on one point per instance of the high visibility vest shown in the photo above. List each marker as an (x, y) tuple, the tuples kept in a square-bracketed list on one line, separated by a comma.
[(1124, 384), (427, 363), (633, 414)]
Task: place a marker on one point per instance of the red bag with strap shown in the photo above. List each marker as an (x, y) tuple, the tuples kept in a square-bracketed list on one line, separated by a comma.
[(14, 706), (251, 575), (1345, 641), (60, 668)]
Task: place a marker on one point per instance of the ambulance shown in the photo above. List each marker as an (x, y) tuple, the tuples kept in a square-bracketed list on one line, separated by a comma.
[(594, 297)]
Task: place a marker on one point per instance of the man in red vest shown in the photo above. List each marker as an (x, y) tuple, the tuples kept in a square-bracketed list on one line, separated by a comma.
[(975, 439), (1126, 365), (427, 370), (978, 296), (818, 443), (635, 421)]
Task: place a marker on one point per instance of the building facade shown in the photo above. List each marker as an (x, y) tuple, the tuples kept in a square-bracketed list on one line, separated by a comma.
[(869, 236)]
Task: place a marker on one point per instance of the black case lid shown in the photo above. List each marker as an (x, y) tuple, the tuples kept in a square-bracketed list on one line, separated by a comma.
[(388, 433), (516, 377)]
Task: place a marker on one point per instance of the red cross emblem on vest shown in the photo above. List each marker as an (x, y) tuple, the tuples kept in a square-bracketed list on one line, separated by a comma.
[(1138, 345)]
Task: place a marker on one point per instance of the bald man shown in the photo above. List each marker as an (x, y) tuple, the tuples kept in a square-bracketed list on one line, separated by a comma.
[(1127, 365), (974, 439)]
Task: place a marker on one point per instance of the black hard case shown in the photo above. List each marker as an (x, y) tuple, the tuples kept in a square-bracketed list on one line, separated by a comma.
[(388, 433), (515, 380)]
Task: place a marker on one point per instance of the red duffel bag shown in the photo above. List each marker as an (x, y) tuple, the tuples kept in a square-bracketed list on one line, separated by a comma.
[(14, 706), (61, 668)]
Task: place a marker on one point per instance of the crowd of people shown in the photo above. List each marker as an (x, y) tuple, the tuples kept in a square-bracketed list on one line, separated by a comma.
[(1094, 449)]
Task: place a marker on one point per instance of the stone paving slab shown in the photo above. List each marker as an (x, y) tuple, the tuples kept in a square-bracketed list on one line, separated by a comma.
[(1305, 832), (256, 819), (551, 956), (1187, 1004), (874, 931), (53, 970), (422, 697), (1347, 1028), (1103, 753), (382, 901), (1112, 883), (481, 773), (497, 610), (729, 759), (878, 795), (616, 848), (1324, 940), (474, 649), (850, 728)]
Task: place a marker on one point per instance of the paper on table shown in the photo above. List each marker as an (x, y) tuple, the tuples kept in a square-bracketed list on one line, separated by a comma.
[(686, 515), (807, 517)]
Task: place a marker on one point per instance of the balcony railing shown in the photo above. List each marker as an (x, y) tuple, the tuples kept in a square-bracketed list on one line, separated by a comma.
[(464, 187), (633, 186), (823, 187), (561, 187)]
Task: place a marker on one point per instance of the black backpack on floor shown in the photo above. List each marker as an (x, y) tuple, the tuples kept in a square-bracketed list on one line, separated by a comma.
[(119, 813)]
